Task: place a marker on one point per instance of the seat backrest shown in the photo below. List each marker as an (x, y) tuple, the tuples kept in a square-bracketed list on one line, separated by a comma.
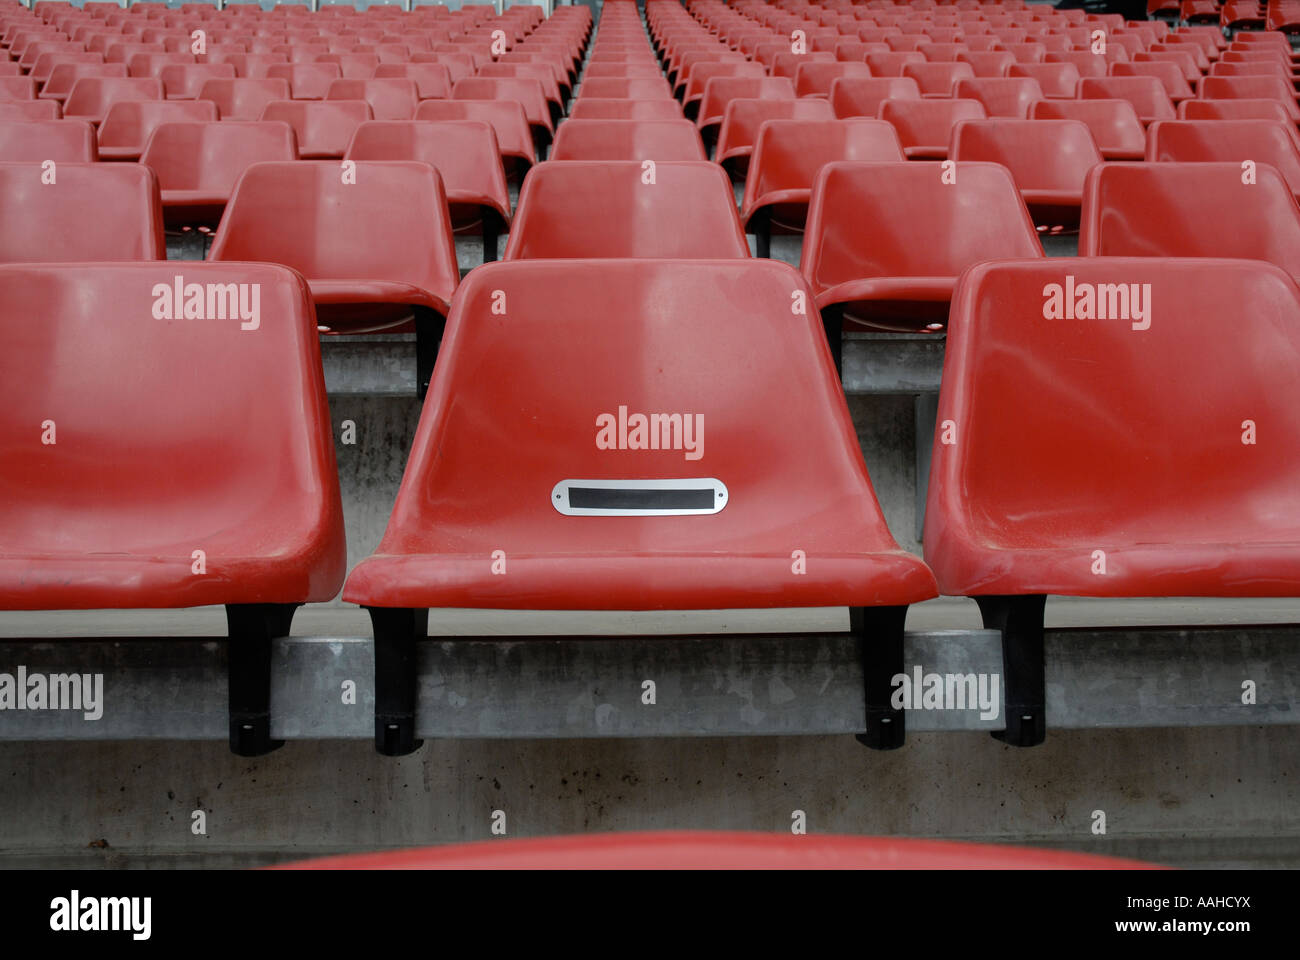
[(183, 81), (891, 64), (600, 108), (153, 453), (940, 78), (324, 128), (927, 124), (690, 346), (991, 63), (1266, 109), (525, 91), (1169, 74), (1002, 96), (575, 209), (701, 73), (388, 223), (1153, 447), (720, 91), (432, 80), (393, 98), (815, 79), (902, 220), (507, 117), (35, 141), (743, 118), (1165, 209), (211, 156), (307, 81), (1228, 141), (627, 140), (856, 97), (243, 98), (129, 123), (17, 88), (1041, 154), (30, 110), (1115, 126), (1057, 80), (1251, 88), (91, 97), (1087, 63), (627, 88), (789, 153), (1147, 94), (91, 211)]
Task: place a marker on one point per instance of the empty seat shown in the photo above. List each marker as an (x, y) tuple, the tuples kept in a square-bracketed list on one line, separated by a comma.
[(1087, 63), (815, 79), (129, 123), (30, 110), (1147, 94), (183, 81), (1268, 109), (702, 73), (627, 140), (598, 108), (1059, 81), (307, 81), (244, 98), (323, 128), (1114, 124), (938, 79), (891, 64), (924, 127), (377, 250), (857, 97), (741, 122), (1164, 209), (394, 98), (465, 154), (787, 156), (886, 242), (93, 211), (1251, 88), (92, 96), (149, 499), (625, 88), (1228, 141), (1048, 159), (198, 163), (432, 80), (1002, 96), (17, 88), (720, 91), (508, 120), (525, 91), (574, 209), (1103, 424), (1169, 74), (35, 141), (673, 347), (992, 63)]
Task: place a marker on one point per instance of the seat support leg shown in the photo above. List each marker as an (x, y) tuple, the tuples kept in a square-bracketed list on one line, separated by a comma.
[(252, 628), (489, 238), (761, 224), (833, 324), (429, 325), (1024, 682), (880, 633), (397, 631)]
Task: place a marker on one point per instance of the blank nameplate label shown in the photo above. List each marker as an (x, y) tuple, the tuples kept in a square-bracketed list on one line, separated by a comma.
[(639, 498)]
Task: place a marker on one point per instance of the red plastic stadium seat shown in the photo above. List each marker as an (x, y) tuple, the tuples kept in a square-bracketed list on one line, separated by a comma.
[(938, 79), (576, 209), (1160, 210), (377, 251), (1269, 109), (1114, 124), (720, 91), (147, 474), (924, 127), (993, 63), (525, 91), (785, 162), (1048, 159), (862, 98), (892, 64), (394, 98), (1002, 96), (92, 96), (507, 118), (49, 222), (743, 118), (17, 88), (129, 123), (597, 108), (307, 81), (699, 850), (1169, 74), (627, 140), (243, 98), (1106, 439), (815, 79), (1251, 88), (432, 80), (35, 141), (1087, 63), (509, 463), (702, 73), (198, 163), (30, 110), (323, 128), (1147, 94), (886, 242), (465, 154), (625, 88), (1059, 81), (183, 81), (1228, 141)]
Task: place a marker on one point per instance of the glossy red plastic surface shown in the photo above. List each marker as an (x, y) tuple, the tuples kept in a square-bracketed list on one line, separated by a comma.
[(35, 141), (627, 140), (602, 108), (50, 222), (574, 209), (856, 97), (307, 81), (91, 97), (392, 246), (146, 468), (1228, 141), (924, 127), (720, 91), (1002, 96), (889, 240), (743, 118), (1147, 94), (508, 120), (323, 128), (1115, 126), (502, 425), (1090, 458), (183, 81), (129, 124), (701, 850)]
